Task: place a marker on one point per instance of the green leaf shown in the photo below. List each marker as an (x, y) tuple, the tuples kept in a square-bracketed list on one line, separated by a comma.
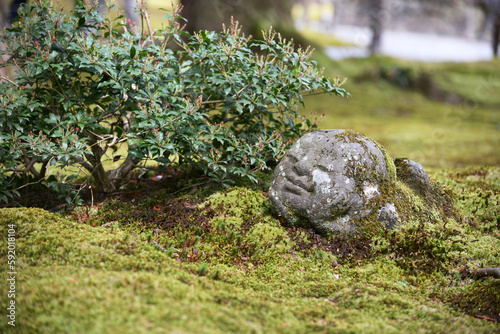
[(81, 22)]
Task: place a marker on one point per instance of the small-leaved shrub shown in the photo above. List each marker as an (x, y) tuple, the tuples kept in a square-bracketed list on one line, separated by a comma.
[(88, 87)]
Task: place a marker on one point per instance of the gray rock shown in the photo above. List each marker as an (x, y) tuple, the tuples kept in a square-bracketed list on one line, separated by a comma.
[(329, 180), (413, 175)]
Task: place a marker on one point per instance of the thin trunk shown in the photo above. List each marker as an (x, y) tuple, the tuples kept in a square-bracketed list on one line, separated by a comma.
[(4, 14), (102, 181), (4, 21), (130, 6), (376, 25), (496, 36), (110, 181), (118, 176), (188, 11)]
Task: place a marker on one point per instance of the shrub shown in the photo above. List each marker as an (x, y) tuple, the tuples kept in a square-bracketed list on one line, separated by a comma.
[(88, 87)]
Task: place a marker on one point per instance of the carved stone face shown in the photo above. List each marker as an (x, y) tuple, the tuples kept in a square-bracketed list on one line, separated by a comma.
[(326, 179)]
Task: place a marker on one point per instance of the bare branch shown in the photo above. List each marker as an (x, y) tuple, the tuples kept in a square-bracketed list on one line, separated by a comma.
[(29, 165), (85, 164), (487, 272), (211, 102), (7, 79)]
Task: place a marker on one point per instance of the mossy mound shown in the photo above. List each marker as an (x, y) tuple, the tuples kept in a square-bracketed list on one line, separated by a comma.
[(417, 200), (226, 264)]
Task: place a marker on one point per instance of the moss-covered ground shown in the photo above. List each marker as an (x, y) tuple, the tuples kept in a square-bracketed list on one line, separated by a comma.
[(443, 115), (219, 262), (208, 260)]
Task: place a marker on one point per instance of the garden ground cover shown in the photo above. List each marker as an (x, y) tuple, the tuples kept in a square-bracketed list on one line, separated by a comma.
[(209, 260), (223, 263)]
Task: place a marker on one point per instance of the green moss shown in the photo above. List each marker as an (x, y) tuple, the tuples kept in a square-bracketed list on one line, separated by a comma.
[(229, 222), (79, 278), (239, 202), (477, 193), (319, 38), (408, 124), (479, 298), (270, 240)]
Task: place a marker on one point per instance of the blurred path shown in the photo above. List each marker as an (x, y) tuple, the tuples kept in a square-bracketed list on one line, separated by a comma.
[(410, 46)]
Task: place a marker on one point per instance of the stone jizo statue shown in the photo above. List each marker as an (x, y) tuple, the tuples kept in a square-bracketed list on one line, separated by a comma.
[(338, 181), (330, 178)]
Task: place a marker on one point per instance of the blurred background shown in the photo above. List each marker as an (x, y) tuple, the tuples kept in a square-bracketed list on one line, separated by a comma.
[(423, 75)]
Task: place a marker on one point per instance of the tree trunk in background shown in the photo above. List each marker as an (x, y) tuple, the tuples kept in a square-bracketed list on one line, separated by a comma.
[(376, 24), (4, 14), (253, 15), (491, 10), (4, 20), (129, 6), (496, 36), (189, 13)]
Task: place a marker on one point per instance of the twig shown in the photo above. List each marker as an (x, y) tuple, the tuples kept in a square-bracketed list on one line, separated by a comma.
[(487, 272), (485, 318), (163, 248), (7, 79), (92, 196), (159, 246), (25, 170), (29, 184), (151, 35), (211, 102), (85, 164)]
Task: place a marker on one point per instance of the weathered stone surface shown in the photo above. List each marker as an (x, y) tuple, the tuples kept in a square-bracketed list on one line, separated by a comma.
[(388, 215), (413, 175), (331, 179), (433, 196)]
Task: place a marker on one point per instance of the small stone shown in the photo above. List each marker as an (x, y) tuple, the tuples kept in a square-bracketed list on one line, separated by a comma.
[(413, 175)]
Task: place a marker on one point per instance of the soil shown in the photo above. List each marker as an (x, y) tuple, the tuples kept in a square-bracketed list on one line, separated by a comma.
[(40, 196)]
